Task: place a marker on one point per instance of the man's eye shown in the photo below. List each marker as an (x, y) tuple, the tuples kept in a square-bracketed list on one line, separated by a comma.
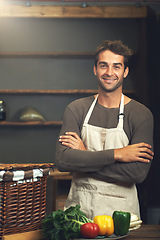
[(102, 66), (117, 67)]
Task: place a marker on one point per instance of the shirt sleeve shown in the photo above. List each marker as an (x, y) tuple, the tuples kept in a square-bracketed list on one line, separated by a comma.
[(134, 172), (67, 159)]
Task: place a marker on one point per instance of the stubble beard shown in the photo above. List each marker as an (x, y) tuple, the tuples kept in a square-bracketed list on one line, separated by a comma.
[(106, 89)]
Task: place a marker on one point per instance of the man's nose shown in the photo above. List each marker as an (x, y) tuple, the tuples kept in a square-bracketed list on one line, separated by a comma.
[(109, 71)]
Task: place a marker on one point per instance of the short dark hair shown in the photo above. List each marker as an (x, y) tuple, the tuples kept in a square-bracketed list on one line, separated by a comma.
[(116, 47)]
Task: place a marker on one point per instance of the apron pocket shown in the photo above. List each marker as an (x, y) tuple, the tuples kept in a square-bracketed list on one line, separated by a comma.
[(106, 204)]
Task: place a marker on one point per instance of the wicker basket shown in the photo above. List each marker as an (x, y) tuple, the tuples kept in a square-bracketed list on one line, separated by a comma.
[(22, 202)]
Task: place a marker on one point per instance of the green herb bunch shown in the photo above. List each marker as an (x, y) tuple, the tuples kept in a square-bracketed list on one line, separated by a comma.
[(64, 224)]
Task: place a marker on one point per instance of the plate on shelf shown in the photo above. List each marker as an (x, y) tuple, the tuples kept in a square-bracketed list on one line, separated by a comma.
[(113, 236)]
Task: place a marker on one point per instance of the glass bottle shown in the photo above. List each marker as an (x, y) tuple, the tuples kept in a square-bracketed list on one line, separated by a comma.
[(2, 111)]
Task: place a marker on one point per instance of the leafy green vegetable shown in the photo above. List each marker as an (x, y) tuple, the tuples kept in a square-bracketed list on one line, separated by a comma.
[(64, 224)]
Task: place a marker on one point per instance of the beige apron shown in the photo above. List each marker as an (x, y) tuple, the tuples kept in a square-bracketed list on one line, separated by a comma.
[(98, 197)]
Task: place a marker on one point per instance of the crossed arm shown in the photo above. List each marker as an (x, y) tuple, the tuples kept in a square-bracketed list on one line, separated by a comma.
[(129, 164), (140, 152)]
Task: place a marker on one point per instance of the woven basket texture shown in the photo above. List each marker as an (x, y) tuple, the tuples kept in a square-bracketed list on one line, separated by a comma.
[(22, 205)]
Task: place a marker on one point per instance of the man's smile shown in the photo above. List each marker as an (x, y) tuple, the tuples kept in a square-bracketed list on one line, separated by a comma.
[(107, 79)]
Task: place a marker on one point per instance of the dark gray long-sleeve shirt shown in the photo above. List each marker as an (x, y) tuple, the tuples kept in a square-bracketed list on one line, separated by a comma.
[(138, 126)]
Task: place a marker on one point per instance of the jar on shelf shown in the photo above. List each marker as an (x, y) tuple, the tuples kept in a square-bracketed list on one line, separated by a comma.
[(2, 111)]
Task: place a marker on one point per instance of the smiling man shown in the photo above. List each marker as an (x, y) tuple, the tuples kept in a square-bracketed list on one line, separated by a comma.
[(106, 140), (110, 74)]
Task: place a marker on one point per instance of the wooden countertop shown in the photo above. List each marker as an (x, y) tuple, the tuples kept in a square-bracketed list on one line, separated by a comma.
[(148, 232), (145, 232)]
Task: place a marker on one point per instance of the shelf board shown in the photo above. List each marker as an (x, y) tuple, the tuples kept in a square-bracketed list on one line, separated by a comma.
[(33, 123), (40, 11), (39, 91), (61, 91), (46, 54)]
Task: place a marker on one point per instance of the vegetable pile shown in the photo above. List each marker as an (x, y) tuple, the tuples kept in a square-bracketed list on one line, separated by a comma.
[(72, 223)]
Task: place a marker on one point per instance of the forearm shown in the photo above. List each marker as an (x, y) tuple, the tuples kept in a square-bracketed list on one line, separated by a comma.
[(140, 152), (132, 163), (72, 160), (134, 172)]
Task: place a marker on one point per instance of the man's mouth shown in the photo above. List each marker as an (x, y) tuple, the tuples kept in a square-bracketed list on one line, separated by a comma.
[(109, 79)]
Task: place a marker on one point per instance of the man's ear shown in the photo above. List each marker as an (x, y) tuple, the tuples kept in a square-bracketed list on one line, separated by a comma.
[(95, 70), (126, 72)]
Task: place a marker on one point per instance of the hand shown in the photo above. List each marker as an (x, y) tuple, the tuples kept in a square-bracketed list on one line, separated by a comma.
[(72, 140), (140, 152)]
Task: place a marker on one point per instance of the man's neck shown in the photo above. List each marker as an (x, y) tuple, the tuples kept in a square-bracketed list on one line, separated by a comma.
[(109, 99)]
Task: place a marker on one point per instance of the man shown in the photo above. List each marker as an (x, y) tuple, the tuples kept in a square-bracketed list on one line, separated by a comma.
[(106, 140)]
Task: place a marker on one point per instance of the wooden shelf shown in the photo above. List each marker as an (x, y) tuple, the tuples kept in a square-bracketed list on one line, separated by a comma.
[(33, 123), (40, 11), (47, 54), (62, 91), (39, 91)]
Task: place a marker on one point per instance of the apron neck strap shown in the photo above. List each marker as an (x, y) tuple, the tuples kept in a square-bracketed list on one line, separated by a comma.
[(121, 112), (90, 110)]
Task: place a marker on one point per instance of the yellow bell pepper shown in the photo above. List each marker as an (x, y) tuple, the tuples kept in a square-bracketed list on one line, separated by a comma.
[(105, 223)]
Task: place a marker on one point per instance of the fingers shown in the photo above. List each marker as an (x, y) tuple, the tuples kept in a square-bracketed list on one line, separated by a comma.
[(72, 140), (67, 140), (142, 160), (142, 144), (140, 152), (145, 151), (69, 135), (74, 134), (68, 143)]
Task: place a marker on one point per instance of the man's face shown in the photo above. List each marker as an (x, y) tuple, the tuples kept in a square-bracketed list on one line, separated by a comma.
[(110, 71)]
